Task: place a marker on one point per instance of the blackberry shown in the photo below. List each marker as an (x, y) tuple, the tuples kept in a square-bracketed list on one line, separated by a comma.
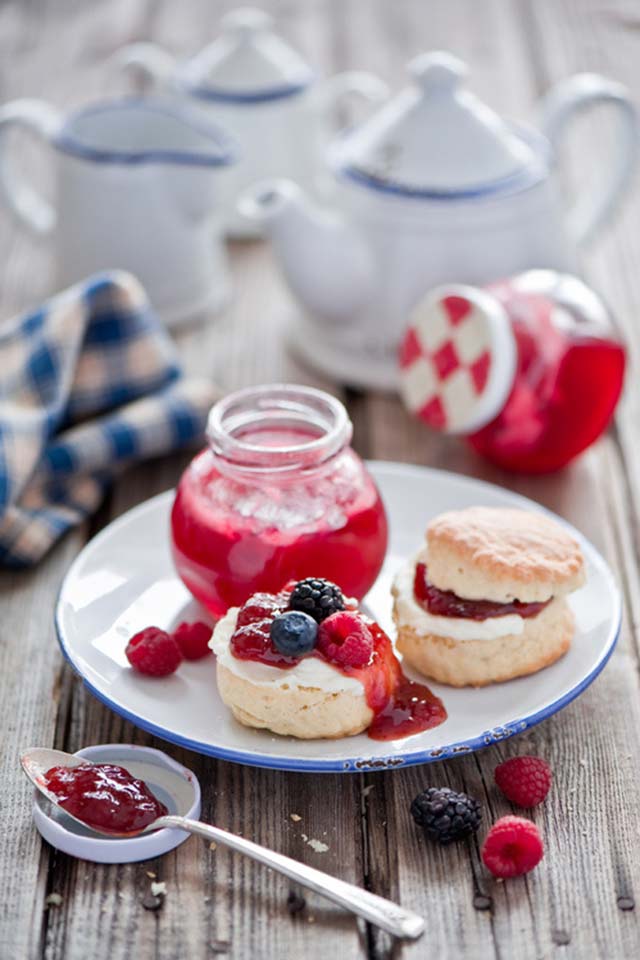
[(319, 598), (446, 816)]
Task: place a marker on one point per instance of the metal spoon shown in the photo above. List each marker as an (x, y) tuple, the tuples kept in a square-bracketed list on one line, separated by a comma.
[(385, 914)]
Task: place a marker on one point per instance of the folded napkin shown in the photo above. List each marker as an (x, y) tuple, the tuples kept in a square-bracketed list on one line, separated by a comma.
[(88, 383)]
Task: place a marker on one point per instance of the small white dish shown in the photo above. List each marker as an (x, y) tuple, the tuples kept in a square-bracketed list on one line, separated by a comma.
[(125, 580), (174, 785)]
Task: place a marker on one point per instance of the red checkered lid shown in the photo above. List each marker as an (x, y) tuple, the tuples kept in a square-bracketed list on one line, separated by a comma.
[(457, 359)]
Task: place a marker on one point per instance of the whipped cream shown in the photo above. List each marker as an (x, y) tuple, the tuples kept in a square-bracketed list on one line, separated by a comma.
[(308, 672), (411, 613)]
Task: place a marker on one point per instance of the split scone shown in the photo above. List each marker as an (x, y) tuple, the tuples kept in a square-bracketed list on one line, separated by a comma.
[(486, 599)]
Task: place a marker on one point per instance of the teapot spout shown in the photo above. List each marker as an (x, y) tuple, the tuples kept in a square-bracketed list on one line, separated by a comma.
[(325, 260)]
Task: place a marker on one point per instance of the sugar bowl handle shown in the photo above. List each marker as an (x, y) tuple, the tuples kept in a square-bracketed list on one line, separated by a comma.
[(561, 105)]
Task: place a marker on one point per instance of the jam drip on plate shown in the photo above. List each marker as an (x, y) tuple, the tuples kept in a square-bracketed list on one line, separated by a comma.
[(401, 707), (104, 796), (445, 603)]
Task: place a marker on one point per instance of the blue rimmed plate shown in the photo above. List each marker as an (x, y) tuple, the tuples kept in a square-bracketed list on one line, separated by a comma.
[(124, 580)]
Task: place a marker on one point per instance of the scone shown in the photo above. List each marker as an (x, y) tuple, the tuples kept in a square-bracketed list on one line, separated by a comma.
[(306, 663), (486, 598)]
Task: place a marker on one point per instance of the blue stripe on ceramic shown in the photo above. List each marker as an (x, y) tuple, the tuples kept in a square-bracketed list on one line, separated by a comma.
[(246, 97), (511, 184), (223, 151), (514, 183)]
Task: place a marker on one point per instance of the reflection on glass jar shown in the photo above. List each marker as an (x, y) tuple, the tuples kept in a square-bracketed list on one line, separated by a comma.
[(278, 495)]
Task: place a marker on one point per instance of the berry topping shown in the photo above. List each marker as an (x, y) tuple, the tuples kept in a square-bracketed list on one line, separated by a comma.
[(524, 780), (261, 606), (193, 639), (446, 816), (345, 638), (513, 846), (294, 633), (319, 598), (251, 641), (444, 603), (154, 652)]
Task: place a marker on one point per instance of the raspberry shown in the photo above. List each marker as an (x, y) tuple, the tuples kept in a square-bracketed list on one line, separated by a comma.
[(512, 847), (261, 606), (345, 638), (524, 780), (193, 639), (153, 652)]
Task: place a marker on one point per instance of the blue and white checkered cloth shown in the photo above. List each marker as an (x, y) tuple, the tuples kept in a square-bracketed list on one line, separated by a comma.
[(88, 382)]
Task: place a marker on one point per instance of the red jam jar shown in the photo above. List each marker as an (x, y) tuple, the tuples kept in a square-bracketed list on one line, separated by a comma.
[(277, 495), (529, 369)]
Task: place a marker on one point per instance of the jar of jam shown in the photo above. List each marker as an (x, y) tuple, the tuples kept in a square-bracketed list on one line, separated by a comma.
[(277, 495), (528, 369)]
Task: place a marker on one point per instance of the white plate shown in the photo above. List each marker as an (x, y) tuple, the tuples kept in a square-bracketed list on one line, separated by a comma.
[(124, 580)]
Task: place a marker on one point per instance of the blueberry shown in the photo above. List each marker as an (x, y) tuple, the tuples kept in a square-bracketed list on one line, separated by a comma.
[(294, 633)]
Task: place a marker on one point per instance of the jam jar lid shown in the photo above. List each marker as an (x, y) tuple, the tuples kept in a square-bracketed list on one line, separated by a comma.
[(457, 359), (437, 140), (248, 63)]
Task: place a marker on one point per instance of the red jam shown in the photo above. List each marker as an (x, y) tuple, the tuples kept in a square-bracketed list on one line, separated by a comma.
[(276, 501), (401, 707), (568, 380), (445, 603), (104, 796)]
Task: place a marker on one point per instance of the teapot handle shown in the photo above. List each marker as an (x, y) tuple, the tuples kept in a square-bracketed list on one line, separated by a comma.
[(25, 203), (149, 61), (559, 106), (358, 83)]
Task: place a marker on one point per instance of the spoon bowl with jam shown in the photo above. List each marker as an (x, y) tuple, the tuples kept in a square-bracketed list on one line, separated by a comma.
[(111, 801)]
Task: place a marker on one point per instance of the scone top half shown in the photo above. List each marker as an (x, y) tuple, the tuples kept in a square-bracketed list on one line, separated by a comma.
[(498, 554)]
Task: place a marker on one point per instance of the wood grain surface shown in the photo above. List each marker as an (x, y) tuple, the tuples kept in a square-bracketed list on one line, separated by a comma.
[(581, 902)]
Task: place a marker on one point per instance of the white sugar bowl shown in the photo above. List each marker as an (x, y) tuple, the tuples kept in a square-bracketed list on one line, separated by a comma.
[(260, 90)]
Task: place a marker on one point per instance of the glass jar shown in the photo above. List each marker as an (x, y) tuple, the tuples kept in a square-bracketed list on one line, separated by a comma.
[(528, 369), (278, 495)]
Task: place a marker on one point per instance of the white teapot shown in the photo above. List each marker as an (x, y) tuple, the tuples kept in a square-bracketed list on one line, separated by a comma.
[(260, 90), (434, 188)]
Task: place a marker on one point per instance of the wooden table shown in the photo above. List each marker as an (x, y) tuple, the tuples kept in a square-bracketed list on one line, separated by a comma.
[(580, 903)]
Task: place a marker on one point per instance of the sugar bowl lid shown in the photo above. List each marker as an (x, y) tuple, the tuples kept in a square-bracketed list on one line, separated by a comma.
[(437, 139), (457, 359), (247, 63)]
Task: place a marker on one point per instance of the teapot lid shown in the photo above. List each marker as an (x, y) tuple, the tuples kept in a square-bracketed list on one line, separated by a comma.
[(436, 139), (248, 63)]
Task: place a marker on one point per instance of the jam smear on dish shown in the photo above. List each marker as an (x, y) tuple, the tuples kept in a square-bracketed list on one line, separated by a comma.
[(104, 796), (445, 603), (401, 707)]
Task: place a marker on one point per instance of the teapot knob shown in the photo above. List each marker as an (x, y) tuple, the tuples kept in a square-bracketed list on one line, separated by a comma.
[(246, 21), (438, 72)]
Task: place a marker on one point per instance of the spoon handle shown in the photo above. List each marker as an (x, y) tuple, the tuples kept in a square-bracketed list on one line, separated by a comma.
[(385, 914)]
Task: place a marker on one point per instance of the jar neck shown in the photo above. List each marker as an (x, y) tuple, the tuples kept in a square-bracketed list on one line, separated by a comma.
[(277, 428)]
